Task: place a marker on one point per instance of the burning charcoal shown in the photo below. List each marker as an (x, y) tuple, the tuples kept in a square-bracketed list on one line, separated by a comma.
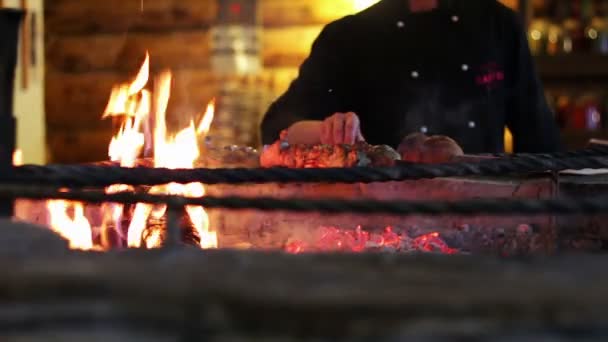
[(537, 245), (587, 245), (454, 238), (465, 228), (500, 239), (510, 249), (329, 240), (499, 233), (432, 243), (155, 233), (375, 241), (332, 239), (358, 239), (523, 235), (296, 247), (390, 238), (524, 229), (481, 242), (407, 244)]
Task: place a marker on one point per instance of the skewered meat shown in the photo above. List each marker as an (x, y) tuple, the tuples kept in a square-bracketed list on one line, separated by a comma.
[(411, 147), (440, 149), (281, 154), (418, 148), (415, 148), (382, 155)]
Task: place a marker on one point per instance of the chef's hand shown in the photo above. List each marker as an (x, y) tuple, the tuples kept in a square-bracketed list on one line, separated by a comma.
[(341, 128)]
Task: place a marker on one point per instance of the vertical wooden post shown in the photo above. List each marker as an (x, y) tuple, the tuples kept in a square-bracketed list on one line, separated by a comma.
[(10, 21), (26, 46)]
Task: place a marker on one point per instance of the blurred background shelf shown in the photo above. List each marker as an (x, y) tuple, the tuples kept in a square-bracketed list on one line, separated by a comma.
[(579, 139), (573, 68), (569, 39)]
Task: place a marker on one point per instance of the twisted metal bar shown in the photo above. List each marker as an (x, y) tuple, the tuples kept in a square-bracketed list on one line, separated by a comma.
[(562, 206), (590, 151), (101, 176)]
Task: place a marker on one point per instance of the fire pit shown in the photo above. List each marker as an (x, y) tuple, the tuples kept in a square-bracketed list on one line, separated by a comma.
[(155, 260), (143, 139), (138, 110)]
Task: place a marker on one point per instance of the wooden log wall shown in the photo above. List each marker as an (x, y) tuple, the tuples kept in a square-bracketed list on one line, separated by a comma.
[(91, 46)]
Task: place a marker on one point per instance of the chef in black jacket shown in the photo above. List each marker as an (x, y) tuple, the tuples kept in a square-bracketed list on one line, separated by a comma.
[(460, 68)]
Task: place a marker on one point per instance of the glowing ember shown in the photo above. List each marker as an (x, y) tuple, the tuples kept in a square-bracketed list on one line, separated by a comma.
[(331, 239)]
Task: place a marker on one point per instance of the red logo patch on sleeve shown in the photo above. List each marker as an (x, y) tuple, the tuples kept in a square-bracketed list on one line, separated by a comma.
[(490, 75)]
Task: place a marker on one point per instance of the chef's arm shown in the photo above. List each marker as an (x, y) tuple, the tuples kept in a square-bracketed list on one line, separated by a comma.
[(529, 117), (315, 93)]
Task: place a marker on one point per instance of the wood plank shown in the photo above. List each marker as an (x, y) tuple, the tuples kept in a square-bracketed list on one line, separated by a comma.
[(126, 52), (281, 78), (121, 16), (77, 101), (25, 45), (356, 297), (281, 13), (280, 47), (288, 47), (17, 237), (118, 16), (79, 145), (575, 67)]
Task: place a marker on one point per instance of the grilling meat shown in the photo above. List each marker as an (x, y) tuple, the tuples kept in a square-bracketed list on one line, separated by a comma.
[(281, 154), (415, 148), (411, 147), (418, 148)]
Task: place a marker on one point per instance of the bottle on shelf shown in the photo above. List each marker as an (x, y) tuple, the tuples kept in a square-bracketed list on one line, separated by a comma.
[(566, 20), (589, 32), (539, 30), (563, 108), (599, 24), (587, 113), (579, 111), (575, 29)]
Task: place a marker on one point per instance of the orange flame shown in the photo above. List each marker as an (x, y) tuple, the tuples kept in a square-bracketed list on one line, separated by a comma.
[(124, 99), (132, 103), (17, 158), (76, 229), (174, 152), (205, 124)]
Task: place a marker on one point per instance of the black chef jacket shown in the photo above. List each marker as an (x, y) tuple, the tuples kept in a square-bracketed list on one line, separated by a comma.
[(463, 70)]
